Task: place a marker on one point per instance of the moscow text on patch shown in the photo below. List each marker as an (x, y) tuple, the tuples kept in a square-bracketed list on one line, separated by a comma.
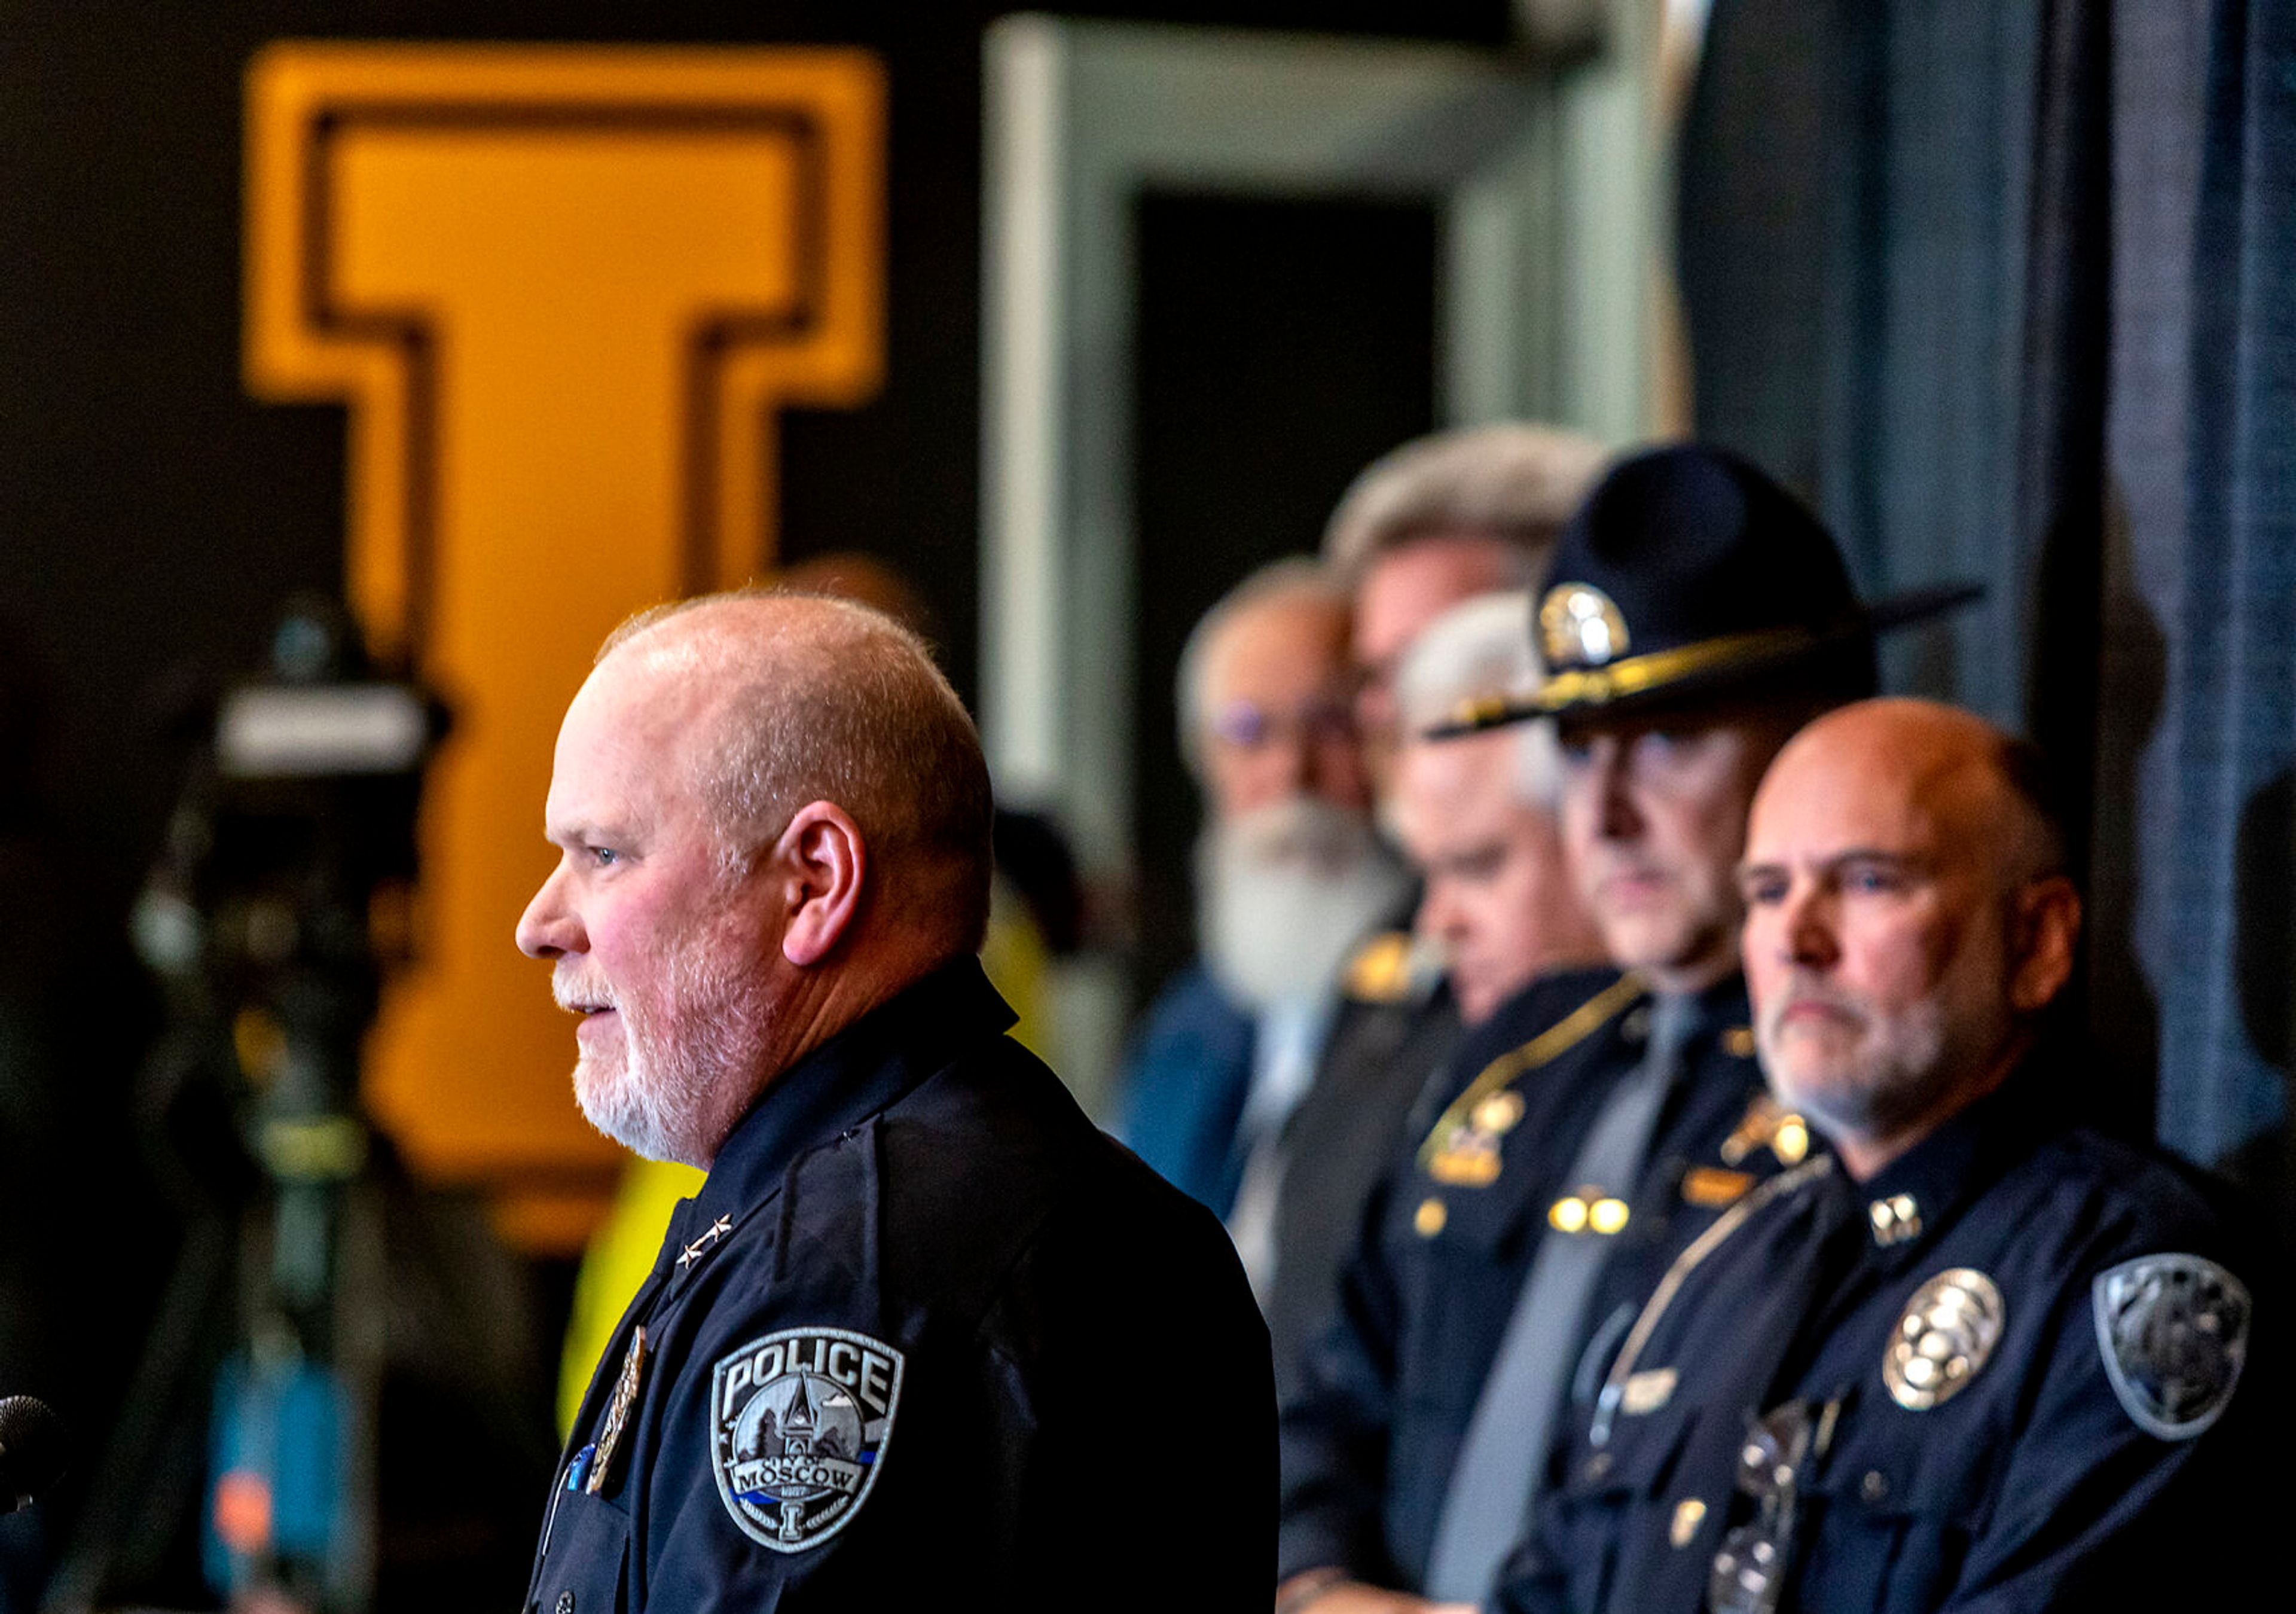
[(800, 1421)]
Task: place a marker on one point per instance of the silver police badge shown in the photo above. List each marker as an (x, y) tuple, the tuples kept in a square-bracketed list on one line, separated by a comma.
[(2173, 1330), (1946, 1335), (798, 1424)]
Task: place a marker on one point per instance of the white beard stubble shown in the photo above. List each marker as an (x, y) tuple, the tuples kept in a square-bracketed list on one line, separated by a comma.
[(666, 1092)]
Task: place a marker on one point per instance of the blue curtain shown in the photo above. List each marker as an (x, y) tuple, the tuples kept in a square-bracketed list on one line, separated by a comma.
[(2010, 292), (2203, 457)]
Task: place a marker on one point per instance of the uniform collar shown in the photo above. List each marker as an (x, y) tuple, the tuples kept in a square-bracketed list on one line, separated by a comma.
[(1924, 1188), (1722, 1005), (862, 1069)]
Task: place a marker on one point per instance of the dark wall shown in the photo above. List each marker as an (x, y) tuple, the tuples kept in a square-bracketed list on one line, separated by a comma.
[(1282, 346)]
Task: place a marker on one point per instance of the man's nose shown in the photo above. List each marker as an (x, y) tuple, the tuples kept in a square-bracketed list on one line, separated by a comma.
[(1805, 935), (1437, 919), (1293, 756), (548, 928), (1615, 812)]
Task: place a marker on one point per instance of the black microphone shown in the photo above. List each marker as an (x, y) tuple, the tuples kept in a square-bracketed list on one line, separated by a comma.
[(31, 1450)]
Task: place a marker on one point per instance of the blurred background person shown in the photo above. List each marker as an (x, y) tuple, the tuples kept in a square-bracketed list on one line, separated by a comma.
[(1476, 814), (1441, 519), (1429, 524), (1496, 908), (1289, 873), (2006, 1274), (1695, 616)]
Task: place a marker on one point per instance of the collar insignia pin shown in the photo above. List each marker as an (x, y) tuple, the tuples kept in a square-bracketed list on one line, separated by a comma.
[(1768, 1125), (1895, 1219), (1470, 1155), (716, 1231)]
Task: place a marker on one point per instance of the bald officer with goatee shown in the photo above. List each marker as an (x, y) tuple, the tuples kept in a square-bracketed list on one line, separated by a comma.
[(1978, 1357), (925, 1339)]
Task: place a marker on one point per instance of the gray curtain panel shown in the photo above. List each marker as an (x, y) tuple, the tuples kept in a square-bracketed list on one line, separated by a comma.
[(2008, 293), (2202, 461)]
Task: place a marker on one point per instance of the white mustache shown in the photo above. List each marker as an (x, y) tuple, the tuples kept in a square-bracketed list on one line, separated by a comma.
[(571, 992)]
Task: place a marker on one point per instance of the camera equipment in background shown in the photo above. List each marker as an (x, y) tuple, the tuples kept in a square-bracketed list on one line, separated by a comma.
[(282, 895)]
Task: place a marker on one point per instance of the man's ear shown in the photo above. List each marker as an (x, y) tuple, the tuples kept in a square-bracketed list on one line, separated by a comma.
[(2044, 936), (819, 864)]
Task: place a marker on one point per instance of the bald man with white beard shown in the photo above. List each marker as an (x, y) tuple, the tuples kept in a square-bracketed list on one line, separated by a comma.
[(918, 1339)]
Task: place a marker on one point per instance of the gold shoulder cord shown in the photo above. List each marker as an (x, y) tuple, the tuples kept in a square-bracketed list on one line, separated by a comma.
[(1557, 1039), (1704, 1245)]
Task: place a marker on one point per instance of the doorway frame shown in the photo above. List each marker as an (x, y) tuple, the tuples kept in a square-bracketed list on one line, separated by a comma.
[(1546, 181)]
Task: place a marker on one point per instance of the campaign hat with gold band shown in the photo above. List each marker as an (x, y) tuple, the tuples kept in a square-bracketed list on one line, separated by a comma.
[(1689, 575)]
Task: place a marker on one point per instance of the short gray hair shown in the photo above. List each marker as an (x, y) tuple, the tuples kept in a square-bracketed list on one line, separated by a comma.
[(1517, 481), (824, 699), (1480, 650), (1301, 577)]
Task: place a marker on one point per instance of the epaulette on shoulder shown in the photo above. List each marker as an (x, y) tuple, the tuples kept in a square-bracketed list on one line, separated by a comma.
[(1390, 968)]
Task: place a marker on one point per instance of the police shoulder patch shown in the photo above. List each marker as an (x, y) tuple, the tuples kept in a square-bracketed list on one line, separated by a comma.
[(798, 1423), (2173, 1332)]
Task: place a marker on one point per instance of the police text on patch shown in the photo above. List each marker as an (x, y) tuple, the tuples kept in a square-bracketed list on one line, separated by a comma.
[(799, 1422)]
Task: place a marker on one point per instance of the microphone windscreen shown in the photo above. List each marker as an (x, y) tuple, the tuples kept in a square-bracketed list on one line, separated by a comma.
[(31, 1445)]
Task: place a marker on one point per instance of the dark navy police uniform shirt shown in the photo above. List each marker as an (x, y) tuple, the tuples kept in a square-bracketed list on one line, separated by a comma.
[(1386, 1393), (2006, 1373), (925, 1338)]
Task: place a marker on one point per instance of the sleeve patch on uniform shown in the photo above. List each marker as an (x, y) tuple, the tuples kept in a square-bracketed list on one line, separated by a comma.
[(2173, 1332), (798, 1423)]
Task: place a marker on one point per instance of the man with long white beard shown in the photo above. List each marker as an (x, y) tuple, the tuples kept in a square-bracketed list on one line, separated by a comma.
[(913, 1344), (1289, 873)]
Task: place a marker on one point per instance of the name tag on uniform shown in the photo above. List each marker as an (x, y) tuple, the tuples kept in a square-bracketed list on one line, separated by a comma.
[(1647, 1391)]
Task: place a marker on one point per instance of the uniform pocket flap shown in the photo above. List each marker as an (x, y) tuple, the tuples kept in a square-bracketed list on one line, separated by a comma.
[(585, 1566)]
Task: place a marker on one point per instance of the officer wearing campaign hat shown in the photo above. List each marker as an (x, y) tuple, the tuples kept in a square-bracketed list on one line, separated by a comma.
[(1689, 573), (1694, 616)]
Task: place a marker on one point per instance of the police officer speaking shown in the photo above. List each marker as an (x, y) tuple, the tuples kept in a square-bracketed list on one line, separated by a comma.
[(1978, 1358), (924, 1338)]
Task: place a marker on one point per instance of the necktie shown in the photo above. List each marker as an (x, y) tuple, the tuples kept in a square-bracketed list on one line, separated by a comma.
[(1487, 1503)]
